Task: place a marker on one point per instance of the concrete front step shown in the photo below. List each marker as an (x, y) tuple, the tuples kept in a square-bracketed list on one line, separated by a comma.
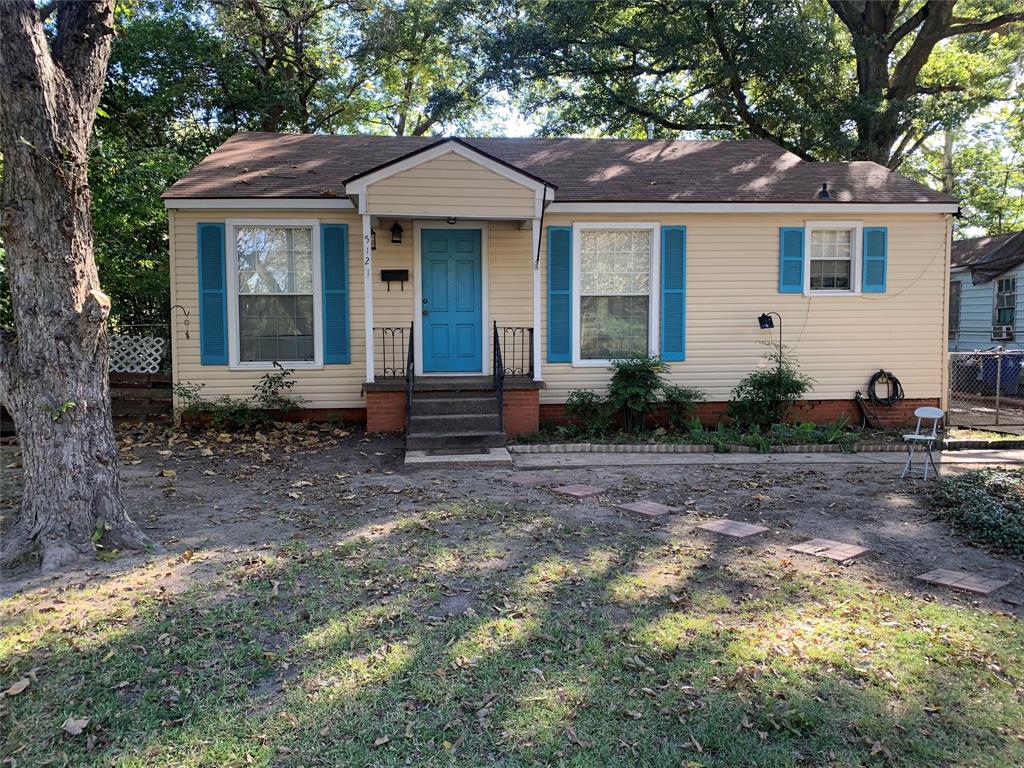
[(457, 404), (454, 384), (454, 440), (444, 423)]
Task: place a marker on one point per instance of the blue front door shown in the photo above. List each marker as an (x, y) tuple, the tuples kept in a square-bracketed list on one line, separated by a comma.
[(452, 301)]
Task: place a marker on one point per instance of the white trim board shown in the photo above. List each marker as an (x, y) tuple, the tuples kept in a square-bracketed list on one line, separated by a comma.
[(856, 254), (231, 273), (265, 203), (417, 265), (726, 208)]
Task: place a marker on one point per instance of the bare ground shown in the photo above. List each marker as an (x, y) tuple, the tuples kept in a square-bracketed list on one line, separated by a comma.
[(212, 498)]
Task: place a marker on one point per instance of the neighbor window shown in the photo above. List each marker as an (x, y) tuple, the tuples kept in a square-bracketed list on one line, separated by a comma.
[(275, 289), (831, 259), (615, 292), (954, 308), (1005, 312)]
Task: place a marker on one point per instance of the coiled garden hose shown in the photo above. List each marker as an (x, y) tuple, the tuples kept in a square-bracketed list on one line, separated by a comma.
[(894, 390)]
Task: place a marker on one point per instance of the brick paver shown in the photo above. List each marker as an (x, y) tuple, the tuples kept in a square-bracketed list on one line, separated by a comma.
[(968, 582), (579, 490), (833, 550), (647, 508), (733, 528)]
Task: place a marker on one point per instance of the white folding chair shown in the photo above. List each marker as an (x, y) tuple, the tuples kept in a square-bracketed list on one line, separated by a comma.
[(925, 439)]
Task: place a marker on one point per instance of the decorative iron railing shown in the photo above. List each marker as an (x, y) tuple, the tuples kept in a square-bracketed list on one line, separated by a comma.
[(391, 346), (499, 378), (516, 345), (410, 375)]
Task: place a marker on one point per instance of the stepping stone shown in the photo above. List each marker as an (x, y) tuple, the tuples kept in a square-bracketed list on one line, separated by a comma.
[(968, 582), (733, 528), (529, 480), (646, 508), (833, 550), (578, 490)]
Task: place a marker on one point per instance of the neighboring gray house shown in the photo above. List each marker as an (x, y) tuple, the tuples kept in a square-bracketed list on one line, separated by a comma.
[(985, 291)]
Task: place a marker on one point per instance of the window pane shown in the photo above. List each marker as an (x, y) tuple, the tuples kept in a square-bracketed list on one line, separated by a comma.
[(831, 243), (275, 328), (613, 327), (275, 260), (615, 261), (830, 275)]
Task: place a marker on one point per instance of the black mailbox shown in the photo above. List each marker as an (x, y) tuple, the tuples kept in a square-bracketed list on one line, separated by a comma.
[(394, 275)]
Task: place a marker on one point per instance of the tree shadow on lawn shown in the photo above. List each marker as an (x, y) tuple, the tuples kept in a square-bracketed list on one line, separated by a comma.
[(582, 644)]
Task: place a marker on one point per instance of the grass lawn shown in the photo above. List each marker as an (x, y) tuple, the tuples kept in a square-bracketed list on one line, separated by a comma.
[(471, 633)]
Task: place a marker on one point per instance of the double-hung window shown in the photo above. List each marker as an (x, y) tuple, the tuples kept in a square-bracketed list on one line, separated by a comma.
[(833, 257), (1005, 305), (616, 307), (274, 272)]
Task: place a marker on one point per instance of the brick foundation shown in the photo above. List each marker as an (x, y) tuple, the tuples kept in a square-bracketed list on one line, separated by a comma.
[(521, 412), (817, 411), (385, 411)]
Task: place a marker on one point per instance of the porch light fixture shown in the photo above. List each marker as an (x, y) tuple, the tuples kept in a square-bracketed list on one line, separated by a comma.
[(396, 233), (451, 220)]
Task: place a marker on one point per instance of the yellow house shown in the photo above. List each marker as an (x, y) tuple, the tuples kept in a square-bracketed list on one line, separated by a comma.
[(490, 277)]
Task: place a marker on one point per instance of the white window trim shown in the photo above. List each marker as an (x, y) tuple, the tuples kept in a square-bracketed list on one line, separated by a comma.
[(995, 302), (654, 314), (857, 228), (232, 275)]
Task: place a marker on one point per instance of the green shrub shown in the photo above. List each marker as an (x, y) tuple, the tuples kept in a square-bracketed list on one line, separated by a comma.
[(634, 389), (765, 396), (236, 414), (680, 404), (986, 505), (594, 414)]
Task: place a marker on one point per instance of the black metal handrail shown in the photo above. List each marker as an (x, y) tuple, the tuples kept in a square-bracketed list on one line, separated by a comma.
[(499, 378), (410, 375), (391, 345), (517, 350)]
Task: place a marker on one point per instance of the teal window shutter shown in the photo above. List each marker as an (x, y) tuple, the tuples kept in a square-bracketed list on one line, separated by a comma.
[(213, 299), (559, 294), (791, 260), (673, 293), (876, 257), (334, 277)]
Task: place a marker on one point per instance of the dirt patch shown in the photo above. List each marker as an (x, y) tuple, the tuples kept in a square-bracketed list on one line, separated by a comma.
[(211, 498)]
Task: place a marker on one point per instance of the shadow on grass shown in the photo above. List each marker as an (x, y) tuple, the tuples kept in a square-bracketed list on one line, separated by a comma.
[(578, 644)]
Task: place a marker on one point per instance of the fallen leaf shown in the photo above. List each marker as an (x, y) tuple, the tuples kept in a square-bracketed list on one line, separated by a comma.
[(18, 687), (381, 741), (74, 726), (168, 473)]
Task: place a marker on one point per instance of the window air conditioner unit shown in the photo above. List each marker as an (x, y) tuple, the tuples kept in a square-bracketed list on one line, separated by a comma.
[(1002, 332)]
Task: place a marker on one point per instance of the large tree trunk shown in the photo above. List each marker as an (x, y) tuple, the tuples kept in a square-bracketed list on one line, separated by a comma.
[(54, 368)]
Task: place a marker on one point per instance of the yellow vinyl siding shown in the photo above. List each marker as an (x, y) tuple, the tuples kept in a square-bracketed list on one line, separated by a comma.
[(333, 386), (449, 185), (732, 264)]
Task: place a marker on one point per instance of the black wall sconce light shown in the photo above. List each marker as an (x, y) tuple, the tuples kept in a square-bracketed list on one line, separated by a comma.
[(373, 240), (396, 233)]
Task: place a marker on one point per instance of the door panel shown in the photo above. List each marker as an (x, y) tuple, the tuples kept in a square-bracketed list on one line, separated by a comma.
[(452, 301)]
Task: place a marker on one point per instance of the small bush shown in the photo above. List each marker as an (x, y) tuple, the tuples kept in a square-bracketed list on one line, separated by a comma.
[(235, 414), (634, 389), (986, 505), (593, 413), (765, 396), (680, 404)]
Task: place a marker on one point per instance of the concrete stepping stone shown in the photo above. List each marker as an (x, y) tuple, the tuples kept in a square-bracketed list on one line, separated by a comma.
[(529, 480), (833, 550), (733, 528), (579, 490), (968, 582), (646, 508)]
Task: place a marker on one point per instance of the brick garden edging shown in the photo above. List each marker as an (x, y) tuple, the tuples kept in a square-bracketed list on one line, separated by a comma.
[(688, 448)]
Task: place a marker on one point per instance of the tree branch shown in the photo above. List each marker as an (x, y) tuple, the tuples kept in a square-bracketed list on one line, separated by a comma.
[(85, 31), (907, 27), (969, 26)]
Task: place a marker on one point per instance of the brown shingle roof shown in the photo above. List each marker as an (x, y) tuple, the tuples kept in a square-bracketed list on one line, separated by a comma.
[(584, 170), (989, 256)]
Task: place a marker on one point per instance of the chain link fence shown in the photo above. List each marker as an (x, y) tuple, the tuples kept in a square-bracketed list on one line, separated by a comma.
[(986, 388)]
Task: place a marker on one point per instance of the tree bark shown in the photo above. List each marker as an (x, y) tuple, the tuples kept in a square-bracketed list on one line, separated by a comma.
[(54, 367)]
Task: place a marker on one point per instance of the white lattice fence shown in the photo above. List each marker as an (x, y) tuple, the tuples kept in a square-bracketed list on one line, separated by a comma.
[(136, 354)]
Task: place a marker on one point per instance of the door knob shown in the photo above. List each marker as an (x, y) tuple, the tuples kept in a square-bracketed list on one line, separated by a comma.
[(426, 312)]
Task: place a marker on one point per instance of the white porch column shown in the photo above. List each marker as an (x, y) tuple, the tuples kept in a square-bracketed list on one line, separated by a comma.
[(368, 293), (536, 301)]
